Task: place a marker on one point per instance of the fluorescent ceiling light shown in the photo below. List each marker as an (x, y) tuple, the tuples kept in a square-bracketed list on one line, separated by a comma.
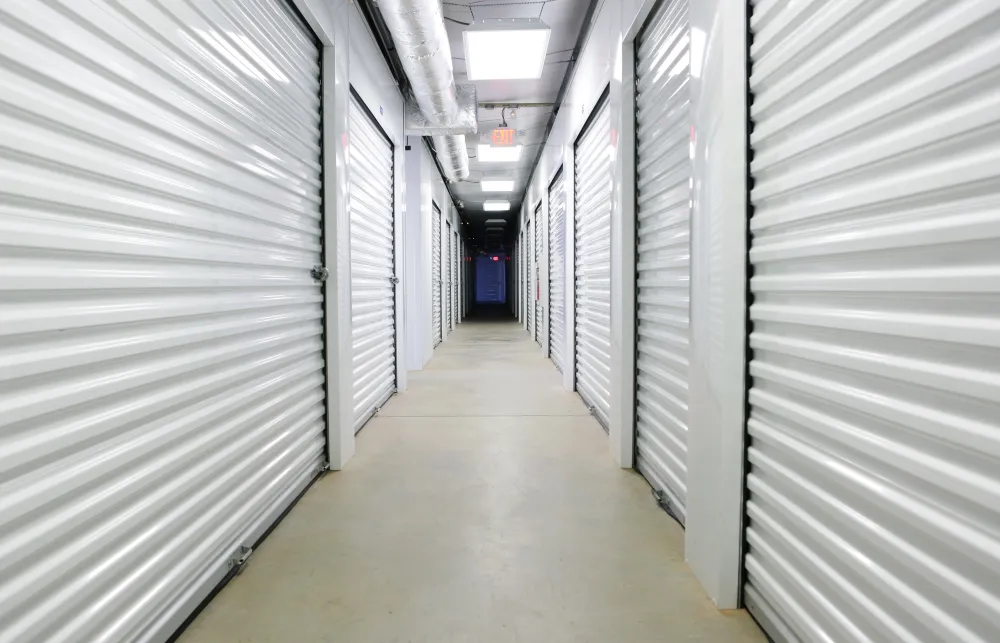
[(490, 154), (496, 222), (506, 48), (496, 206), (497, 186)]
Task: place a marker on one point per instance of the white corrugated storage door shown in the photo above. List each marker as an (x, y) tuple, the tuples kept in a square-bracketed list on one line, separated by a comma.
[(373, 291), (436, 278), (663, 252), (593, 263), (874, 482), (539, 313), (161, 339), (557, 271), (448, 276), (529, 272), (456, 280)]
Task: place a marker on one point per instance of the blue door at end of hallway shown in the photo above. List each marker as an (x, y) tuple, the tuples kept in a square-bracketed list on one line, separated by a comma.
[(491, 279)]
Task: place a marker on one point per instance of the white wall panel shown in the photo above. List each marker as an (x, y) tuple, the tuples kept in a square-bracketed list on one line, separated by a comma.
[(161, 349)]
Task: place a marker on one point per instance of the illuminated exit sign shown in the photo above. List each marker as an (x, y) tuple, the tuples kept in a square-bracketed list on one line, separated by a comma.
[(502, 137)]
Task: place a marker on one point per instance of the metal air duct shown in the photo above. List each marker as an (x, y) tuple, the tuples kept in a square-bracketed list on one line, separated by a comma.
[(417, 28)]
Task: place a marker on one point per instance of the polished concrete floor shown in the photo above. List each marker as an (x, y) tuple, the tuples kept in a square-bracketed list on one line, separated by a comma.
[(482, 506)]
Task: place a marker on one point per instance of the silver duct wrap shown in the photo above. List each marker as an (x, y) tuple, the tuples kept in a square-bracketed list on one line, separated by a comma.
[(417, 28)]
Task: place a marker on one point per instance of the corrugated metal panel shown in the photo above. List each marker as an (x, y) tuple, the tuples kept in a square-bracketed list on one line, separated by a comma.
[(529, 285), (593, 263), (373, 293), (449, 266), (436, 278), (161, 346), (456, 280), (663, 259), (874, 482), (557, 271), (539, 312)]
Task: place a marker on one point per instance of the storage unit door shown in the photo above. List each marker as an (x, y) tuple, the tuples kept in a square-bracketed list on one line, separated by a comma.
[(873, 500), (436, 278), (373, 291), (539, 313), (448, 276), (593, 263), (557, 271), (663, 256), (161, 342), (528, 282), (456, 281)]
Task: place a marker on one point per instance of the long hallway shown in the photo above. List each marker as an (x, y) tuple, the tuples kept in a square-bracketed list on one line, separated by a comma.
[(482, 505)]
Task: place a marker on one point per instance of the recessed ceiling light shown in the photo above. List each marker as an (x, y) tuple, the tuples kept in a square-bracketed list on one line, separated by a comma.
[(505, 49), (497, 186), (496, 206), (490, 154)]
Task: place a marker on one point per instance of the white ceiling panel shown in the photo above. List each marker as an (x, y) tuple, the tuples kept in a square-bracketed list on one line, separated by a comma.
[(565, 18)]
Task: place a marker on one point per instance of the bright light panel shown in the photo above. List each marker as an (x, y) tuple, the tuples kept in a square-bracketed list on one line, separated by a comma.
[(496, 206), (490, 154), (497, 186), (506, 49)]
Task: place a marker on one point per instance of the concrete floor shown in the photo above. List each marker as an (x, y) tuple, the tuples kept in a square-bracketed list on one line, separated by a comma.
[(482, 506)]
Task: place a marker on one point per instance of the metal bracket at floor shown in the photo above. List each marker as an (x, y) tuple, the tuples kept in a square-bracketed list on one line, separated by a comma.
[(664, 501)]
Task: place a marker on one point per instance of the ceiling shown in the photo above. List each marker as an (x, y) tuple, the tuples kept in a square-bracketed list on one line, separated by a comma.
[(565, 18)]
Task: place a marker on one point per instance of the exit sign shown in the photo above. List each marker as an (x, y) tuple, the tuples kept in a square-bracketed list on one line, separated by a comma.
[(502, 136)]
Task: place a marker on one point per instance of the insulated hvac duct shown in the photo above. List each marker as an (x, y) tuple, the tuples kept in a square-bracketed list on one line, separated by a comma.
[(417, 28)]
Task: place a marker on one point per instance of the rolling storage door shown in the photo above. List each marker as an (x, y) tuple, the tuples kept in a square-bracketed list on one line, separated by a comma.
[(456, 281), (436, 278), (448, 276), (528, 276), (161, 346), (539, 313), (373, 289), (592, 236), (873, 505), (663, 252), (557, 271)]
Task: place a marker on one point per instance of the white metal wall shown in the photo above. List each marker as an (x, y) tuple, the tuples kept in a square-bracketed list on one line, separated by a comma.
[(437, 279), (557, 271), (663, 252), (373, 273), (874, 483), (592, 236), (161, 345)]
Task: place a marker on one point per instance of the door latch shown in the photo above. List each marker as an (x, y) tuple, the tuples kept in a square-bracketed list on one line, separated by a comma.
[(320, 273), (240, 559)]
